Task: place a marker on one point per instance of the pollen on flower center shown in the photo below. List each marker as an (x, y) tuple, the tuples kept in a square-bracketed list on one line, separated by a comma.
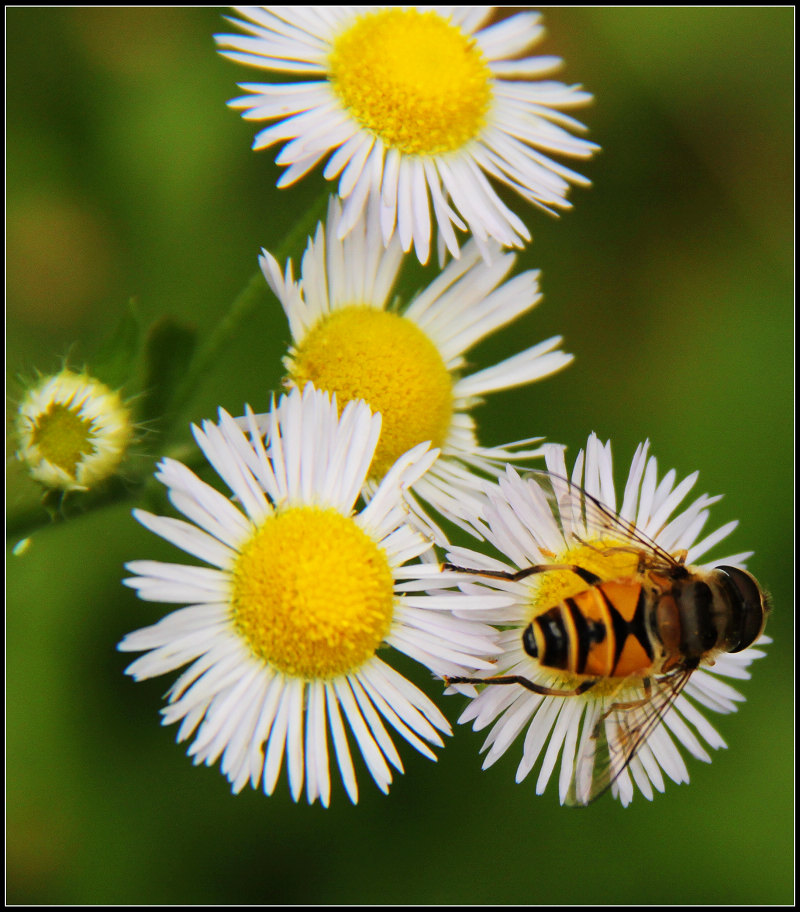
[(312, 593), (413, 79), (63, 437), (385, 359)]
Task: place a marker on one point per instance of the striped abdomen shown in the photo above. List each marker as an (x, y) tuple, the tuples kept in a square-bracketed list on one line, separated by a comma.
[(601, 632)]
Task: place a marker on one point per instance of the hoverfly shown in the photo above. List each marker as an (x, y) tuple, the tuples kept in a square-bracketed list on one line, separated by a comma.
[(649, 629)]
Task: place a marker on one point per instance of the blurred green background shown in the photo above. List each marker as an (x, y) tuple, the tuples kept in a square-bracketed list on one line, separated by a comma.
[(672, 282)]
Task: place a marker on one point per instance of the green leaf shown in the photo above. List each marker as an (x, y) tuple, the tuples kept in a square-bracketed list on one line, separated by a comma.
[(115, 362), (168, 352)]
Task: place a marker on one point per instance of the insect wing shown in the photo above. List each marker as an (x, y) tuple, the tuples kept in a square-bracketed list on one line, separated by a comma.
[(585, 519), (610, 742)]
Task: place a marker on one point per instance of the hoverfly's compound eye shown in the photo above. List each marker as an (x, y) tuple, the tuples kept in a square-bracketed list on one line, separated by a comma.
[(751, 604), (701, 598)]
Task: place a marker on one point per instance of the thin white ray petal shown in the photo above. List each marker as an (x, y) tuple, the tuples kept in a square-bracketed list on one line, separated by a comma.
[(188, 538), (317, 773), (367, 745), (276, 742), (294, 739), (340, 746), (377, 728), (385, 707)]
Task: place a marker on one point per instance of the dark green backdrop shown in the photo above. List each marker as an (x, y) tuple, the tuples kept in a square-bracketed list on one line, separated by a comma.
[(672, 283)]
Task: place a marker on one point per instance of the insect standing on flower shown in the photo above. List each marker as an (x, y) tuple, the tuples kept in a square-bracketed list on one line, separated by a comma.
[(647, 620)]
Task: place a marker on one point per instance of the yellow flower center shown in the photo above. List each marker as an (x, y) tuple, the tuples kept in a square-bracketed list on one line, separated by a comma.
[(413, 79), (381, 357), (312, 593), (63, 437)]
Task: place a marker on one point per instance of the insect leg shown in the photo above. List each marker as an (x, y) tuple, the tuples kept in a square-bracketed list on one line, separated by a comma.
[(586, 575), (525, 682), (630, 704)]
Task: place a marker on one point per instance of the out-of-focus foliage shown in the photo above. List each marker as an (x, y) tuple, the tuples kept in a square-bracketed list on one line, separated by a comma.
[(672, 283)]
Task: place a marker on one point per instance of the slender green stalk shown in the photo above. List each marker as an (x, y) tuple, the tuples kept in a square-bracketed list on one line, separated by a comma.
[(207, 354), (253, 294)]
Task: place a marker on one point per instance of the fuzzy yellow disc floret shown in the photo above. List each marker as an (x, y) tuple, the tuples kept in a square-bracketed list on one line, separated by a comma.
[(63, 437), (413, 79), (385, 359), (312, 593)]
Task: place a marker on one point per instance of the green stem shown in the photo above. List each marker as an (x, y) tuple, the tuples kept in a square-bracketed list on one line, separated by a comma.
[(208, 352), (254, 293)]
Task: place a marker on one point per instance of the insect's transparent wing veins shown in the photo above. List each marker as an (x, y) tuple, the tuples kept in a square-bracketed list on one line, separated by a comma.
[(609, 745), (584, 518)]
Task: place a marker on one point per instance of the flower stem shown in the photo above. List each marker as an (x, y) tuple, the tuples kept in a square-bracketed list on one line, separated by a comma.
[(253, 294)]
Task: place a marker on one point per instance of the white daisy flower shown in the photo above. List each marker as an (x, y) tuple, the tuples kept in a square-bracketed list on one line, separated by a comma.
[(282, 630), (73, 431), (409, 103), (601, 654), (406, 363)]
